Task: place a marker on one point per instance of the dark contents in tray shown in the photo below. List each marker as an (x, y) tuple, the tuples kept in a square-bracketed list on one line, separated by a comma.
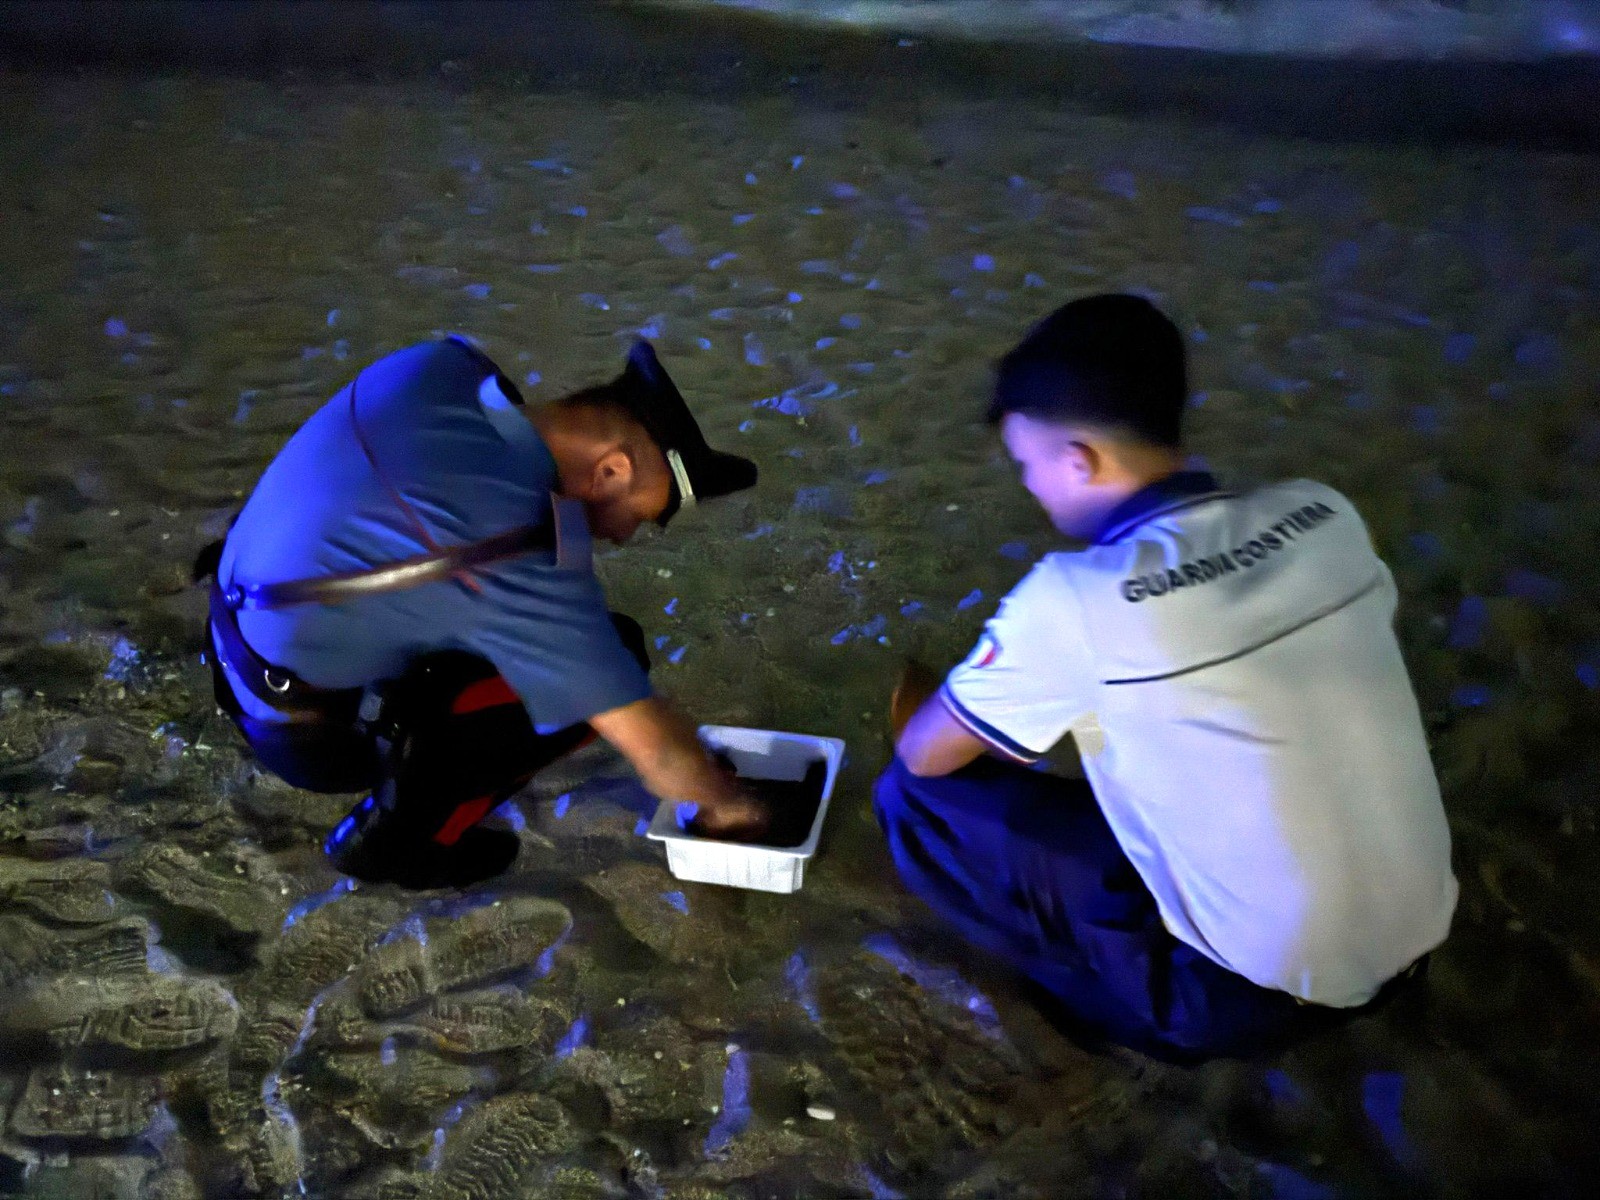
[(792, 803)]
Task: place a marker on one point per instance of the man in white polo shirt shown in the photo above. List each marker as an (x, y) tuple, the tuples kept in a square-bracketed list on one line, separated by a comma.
[(1269, 841)]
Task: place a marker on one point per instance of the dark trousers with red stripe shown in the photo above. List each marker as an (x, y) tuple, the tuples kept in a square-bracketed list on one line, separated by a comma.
[(462, 741), (455, 741)]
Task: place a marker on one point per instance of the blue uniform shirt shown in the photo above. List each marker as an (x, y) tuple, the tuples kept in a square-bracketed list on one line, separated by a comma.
[(471, 466)]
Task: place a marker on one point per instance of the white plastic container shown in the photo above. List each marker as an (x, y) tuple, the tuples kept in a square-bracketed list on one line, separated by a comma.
[(756, 754)]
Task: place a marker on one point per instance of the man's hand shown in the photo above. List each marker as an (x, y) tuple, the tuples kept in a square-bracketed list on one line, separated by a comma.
[(743, 819), (663, 748)]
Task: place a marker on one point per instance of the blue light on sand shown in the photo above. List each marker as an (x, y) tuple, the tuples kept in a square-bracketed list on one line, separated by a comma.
[(1425, 419), (678, 901), (1285, 1183), (1470, 623), (1458, 347), (1382, 1095), (547, 960), (577, 1035), (877, 1188), (125, 659), (1214, 216), (870, 630), (1120, 183), (942, 982), (1538, 352), (735, 1114), (512, 816), (975, 596), (798, 973), (311, 903), (1284, 1090), (563, 803), (675, 241), (1534, 588)]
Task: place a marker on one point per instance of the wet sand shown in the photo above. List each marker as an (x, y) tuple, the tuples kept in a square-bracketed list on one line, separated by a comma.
[(194, 263)]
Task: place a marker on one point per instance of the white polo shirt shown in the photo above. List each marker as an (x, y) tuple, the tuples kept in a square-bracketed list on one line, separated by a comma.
[(1228, 667)]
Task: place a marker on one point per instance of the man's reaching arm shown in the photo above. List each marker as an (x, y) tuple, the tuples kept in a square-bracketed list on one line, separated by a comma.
[(927, 738), (661, 746)]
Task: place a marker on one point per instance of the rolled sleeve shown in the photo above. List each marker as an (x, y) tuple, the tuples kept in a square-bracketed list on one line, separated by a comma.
[(552, 638), (1030, 677)]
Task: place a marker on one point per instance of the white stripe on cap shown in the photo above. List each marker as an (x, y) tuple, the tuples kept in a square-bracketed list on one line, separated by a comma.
[(681, 474)]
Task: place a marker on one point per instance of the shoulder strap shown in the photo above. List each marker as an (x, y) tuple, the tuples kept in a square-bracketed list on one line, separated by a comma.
[(440, 562), (391, 577)]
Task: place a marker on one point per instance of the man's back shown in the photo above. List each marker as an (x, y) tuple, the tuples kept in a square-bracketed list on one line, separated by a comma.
[(1263, 760), (1228, 667), (468, 465)]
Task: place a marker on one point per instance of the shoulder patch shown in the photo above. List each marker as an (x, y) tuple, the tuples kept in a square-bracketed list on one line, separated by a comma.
[(985, 652)]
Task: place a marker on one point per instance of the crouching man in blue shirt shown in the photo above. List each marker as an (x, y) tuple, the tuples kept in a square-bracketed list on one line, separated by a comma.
[(407, 604), (1260, 839)]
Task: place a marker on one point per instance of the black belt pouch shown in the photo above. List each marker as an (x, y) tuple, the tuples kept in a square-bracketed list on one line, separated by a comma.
[(320, 745)]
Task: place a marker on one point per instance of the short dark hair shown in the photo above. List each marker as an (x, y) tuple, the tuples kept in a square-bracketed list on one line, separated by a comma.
[(596, 395), (1114, 361)]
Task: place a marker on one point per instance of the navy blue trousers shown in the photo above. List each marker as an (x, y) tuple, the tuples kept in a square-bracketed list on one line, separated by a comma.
[(1024, 866)]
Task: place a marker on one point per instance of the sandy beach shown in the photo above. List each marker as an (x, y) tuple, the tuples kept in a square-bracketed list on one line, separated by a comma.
[(191, 1002)]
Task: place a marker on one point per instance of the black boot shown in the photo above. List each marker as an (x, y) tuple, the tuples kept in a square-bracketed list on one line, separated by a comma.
[(373, 844)]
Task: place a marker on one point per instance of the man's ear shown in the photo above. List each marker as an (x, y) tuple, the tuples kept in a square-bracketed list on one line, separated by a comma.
[(613, 474), (1084, 459)]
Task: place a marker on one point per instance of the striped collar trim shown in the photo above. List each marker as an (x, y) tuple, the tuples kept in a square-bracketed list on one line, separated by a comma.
[(1178, 491)]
